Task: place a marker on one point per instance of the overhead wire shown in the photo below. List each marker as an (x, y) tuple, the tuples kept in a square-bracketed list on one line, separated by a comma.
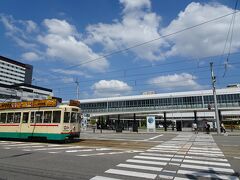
[(231, 28), (146, 42)]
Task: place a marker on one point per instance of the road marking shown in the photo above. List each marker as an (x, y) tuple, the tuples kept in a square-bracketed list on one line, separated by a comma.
[(23, 144), (204, 158), (147, 162), (152, 158), (204, 148), (207, 175), (208, 152), (165, 177), (80, 150), (165, 149), (206, 162), (25, 147), (208, 168), (236, 157), (150, 168), (154, 154), (153, 137), (103, 178), (107, 153), (208, 155), (131, 173)]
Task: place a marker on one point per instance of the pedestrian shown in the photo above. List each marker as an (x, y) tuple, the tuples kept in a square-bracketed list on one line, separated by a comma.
[(194, 126), (223, 128), (207, 128)]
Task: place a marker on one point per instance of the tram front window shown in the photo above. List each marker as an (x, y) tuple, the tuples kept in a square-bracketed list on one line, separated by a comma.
[(73, 117), (66, 117)]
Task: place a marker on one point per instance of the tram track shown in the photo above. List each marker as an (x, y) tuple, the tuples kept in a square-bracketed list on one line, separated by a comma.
[(128, 145)]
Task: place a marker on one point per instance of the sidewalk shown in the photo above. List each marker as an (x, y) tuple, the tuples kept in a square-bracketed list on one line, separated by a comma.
[(158, 131)]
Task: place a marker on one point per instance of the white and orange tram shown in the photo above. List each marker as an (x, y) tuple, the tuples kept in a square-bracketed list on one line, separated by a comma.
[(45, 119)]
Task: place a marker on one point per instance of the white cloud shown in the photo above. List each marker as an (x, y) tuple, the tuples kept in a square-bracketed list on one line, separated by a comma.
[(110, 88), (205, 40), (19, 30), (137, 25), (180, 81), (59, 27), (62, 42), (30, 56)]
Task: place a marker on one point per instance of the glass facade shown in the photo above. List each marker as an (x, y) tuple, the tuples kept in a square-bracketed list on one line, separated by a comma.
[(190, 102)]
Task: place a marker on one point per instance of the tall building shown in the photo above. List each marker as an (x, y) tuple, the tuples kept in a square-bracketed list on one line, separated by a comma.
[(14, 72), (16, 82)]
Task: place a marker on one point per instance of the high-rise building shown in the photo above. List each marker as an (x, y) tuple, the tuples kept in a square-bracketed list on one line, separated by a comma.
[(14, 72), (16, 82)]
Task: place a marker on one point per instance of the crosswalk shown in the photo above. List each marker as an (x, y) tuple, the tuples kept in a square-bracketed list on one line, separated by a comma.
[(187, 156), (79, 151)]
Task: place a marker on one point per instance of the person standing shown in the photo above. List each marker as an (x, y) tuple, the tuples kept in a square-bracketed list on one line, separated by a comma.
[(195, 128), (207, 126), (223, 128)]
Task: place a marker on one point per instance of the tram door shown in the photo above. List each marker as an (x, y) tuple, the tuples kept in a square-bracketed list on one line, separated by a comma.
[(179, 125)]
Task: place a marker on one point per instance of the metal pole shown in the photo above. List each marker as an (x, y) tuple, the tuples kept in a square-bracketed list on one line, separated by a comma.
[(77, 83), (215, 98)]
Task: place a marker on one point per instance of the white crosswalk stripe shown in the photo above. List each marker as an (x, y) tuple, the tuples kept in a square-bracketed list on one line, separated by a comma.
[(189, 156)]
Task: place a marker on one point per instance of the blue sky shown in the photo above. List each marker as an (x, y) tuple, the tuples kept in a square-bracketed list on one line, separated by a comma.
[(68, 40)]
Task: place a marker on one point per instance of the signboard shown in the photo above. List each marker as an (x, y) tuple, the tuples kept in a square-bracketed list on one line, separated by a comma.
[(29, 104), (74, 103), (151, 124)]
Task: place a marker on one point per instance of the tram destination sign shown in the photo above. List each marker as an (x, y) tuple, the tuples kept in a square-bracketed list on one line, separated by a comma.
[(29, 104)]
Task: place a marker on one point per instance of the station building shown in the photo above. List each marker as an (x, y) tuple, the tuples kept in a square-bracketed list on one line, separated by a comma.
[(180, 109), (16, 82)]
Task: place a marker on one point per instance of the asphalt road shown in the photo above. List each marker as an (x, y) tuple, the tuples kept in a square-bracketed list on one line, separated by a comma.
[(82, 160), (128, 156)]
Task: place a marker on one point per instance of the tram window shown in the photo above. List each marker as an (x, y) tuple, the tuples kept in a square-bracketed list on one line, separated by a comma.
[(17, 117), (73, 117), (47, 117), (3, 118), (25, 117), (32, 117), (66, 117), (56, 116), (10, 118), (39, 116)]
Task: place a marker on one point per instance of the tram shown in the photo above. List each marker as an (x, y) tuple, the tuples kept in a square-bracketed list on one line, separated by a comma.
[(40, 119)]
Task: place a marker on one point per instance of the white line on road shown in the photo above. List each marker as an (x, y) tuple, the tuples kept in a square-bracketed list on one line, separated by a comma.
[(103, 178), (150, 168), (153, 137), (147, 162), (152, 158), (206, 162), (131, 173)]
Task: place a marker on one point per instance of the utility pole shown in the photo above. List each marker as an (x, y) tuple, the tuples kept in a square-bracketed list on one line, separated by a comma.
[(215, 98), (77, 83)]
